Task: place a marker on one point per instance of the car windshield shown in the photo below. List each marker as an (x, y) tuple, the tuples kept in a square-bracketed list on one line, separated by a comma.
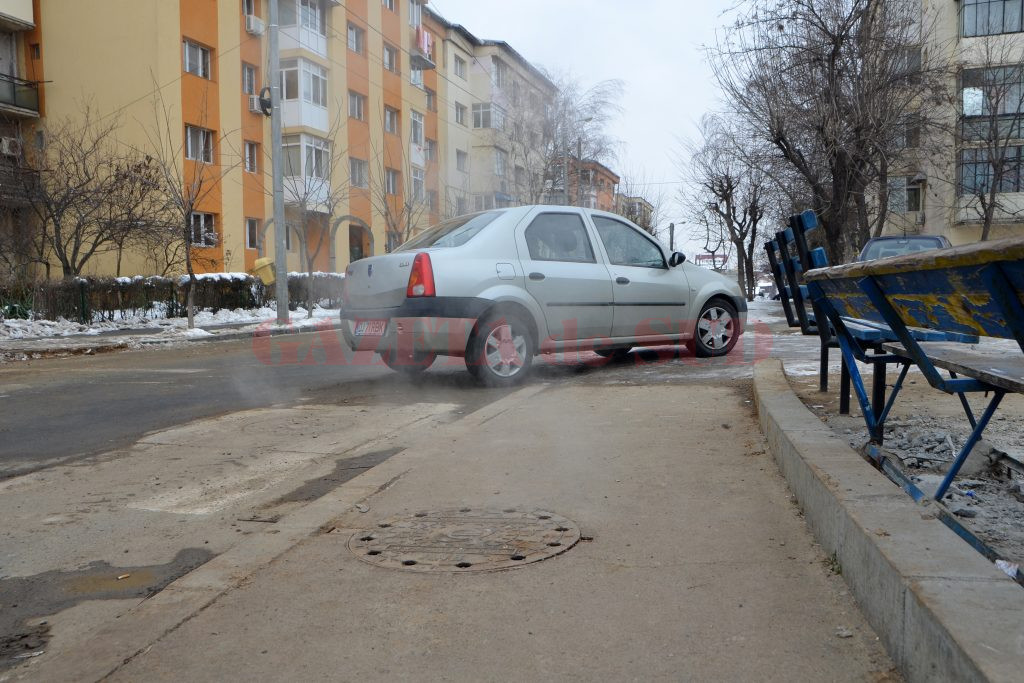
[(451, 233), (884, 248)]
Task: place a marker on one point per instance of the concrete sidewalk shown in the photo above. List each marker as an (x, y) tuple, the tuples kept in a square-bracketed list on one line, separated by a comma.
[(700, 567)]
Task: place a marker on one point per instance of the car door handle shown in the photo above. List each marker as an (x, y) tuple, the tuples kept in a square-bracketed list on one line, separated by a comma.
[(536, 276), (622, 280)]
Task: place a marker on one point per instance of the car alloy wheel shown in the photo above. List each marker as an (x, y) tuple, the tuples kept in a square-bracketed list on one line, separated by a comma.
[(501, 351), (716, 329)]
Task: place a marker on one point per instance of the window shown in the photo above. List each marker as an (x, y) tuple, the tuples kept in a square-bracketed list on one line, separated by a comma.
[(499, 72), (318, 161), (416, 76), (431, 100), (559, 237), (461, 160), (388, 4), (415, 13), (286, 13), (356, 38), (391, 120), (452, 233), (390, 57), (252, 157), (911, 132), (460, 113), (418, 187), (288, 230), (391, 181), (904, 195), (460, 67), (289, 79), (204, 233), (990, 17), (488, 115), (249, 7), (359, 172), (252, 233), (249, 79), (197, 59), (461, 206), (312, 16), (356, 106), (500, 162), (291, 146), (430, 150), (199, 144), (626, 246), (910, 63), (998, 90), (977, 173), (314, 84), (416, 128)]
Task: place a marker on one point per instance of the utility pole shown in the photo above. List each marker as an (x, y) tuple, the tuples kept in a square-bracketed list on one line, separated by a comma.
[(579, 171), (280, 227), (672, 236)]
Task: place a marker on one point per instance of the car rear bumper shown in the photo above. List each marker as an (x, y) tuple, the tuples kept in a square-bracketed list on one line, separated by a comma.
[(439, 325)]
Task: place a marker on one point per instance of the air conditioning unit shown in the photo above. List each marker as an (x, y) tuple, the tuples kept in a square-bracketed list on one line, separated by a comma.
[(253, 25), (254, 104), (10, 147)]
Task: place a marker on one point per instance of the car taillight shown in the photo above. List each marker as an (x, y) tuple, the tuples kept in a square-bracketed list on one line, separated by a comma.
[(421, 279)]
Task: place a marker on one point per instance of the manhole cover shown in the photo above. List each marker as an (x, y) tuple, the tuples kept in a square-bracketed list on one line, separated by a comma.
[(465, 540)]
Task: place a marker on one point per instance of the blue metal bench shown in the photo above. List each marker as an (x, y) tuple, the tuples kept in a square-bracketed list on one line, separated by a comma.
[(958, 293)]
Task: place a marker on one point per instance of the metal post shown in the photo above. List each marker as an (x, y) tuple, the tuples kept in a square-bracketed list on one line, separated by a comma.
[(579, 171), (280, 227), (672, 236)]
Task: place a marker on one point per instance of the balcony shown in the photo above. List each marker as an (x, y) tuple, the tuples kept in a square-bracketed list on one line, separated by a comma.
[(301, 114), (421, 52), (19, 97), (17, 184)]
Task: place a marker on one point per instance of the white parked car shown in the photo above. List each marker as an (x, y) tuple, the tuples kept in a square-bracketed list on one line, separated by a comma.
[(501, 286)]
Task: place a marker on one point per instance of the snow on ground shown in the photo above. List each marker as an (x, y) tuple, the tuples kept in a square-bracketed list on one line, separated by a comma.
[(765, 311), (37, 329)]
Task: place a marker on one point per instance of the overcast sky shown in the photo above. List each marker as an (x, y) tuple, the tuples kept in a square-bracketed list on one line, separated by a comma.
[(653, 46)]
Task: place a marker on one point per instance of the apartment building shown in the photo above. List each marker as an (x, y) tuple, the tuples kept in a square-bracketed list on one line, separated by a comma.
[(496, 106), (939, 185), (636, 209), (363, 142), (592, 184)]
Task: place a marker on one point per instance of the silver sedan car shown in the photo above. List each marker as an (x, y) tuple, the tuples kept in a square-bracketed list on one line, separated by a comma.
[(499, 287)]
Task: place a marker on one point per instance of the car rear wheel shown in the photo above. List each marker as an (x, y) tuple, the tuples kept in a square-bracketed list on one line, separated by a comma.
[(500, 352), (715, 333), (409, 362)]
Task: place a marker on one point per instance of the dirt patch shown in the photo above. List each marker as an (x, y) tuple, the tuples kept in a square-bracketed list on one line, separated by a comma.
[(923, 433)]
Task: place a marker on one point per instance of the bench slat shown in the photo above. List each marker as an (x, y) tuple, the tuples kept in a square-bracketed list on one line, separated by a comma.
[(1003, 368)]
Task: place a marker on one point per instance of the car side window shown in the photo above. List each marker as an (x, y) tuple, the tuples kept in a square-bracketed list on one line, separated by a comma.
[(626, 246), (559, 237)]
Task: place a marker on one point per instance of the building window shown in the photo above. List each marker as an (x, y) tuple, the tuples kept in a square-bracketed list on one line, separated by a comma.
[(416, 128), (291, 146), (390, 120), (499, 72), (488, 115), (249, 79), (977, 173), (252, 233), (460, 67), (252, 157), (359, 172), (460, 206), (388, 4), (431, 100), (998, 90), (289, 79), (432, 200), (390, 57), (197, 59), (990, 17), (311, 16), (318, 157), (356, 38), (391, 181), (461, 161), (204, 232), (199, 144), (314, 84), (249, 7), (500, 162), (416, 76), (418, 187), (415, 13), (288, 229), (430, 150), (460, 114), (904, 195), (356, 106)]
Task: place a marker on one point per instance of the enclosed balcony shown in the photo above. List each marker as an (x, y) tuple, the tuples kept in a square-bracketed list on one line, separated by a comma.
[(19, 97)]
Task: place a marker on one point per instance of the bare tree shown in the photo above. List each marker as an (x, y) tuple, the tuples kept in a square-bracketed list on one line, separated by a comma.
[(89, 195), (189, 169), (829, 84), (640, 201), (397, 194)]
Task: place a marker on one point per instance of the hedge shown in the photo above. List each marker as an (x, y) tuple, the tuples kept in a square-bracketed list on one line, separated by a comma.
[(86, 299)]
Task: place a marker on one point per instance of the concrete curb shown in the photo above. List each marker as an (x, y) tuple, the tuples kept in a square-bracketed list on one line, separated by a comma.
[(942, 610), (114, 645)]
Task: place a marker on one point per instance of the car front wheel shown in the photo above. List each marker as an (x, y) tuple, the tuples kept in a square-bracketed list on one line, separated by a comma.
[(500, 352), (715, 333)]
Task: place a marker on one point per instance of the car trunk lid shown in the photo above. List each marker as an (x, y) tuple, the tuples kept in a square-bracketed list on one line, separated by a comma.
[(378, 281)]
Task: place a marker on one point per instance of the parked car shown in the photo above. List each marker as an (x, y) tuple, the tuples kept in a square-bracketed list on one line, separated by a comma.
[(881, 247), (499, 287)]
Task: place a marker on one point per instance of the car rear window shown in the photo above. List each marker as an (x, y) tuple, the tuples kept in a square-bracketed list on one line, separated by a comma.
[(451, 233), (884, 248)]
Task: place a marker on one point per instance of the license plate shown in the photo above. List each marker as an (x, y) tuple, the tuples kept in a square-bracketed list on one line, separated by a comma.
[(373, 328)]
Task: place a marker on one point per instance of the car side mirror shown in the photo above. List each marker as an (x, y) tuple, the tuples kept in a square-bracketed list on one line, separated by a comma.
[(676, 259)]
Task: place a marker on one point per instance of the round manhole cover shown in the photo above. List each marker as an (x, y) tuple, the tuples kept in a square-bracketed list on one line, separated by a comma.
[(465, 540)]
